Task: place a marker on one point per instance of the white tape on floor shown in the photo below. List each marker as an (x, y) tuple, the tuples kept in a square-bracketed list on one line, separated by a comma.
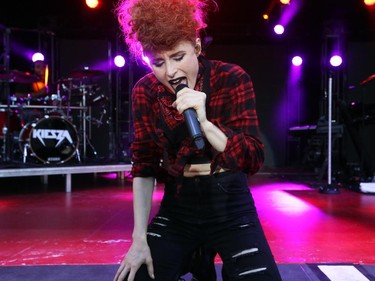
[(342, 273)]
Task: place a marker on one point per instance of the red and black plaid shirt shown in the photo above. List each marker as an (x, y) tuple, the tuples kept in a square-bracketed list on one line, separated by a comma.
[(231, 107)]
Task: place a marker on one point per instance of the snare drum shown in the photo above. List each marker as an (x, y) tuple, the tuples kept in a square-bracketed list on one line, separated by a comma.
[(52, 139)]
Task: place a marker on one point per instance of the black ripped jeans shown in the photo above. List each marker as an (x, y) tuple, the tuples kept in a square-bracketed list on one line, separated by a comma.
[(217, 211)]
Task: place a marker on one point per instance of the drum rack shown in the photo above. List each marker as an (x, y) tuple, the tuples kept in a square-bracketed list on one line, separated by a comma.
[(42, 107)]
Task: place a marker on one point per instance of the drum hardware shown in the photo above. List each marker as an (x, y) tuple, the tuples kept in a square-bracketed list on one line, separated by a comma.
[(16, 76), (98, 98), (53, 106), (10, 125), (87, 141), (83, 91), (9, 121), (96, 121), (68, 89), (88, 98), (39, 137), (83, 116), (85, 73), (13, 99), (54, 99), (4, 153)]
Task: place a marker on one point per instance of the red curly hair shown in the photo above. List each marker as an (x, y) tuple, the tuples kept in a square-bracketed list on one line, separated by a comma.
[(158, 25)]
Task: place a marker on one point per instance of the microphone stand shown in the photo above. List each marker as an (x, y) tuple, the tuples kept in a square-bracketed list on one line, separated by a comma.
[(329, 188)]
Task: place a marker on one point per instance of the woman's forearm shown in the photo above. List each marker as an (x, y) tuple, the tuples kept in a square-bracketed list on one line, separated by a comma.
[(142, 199), (214, 135)]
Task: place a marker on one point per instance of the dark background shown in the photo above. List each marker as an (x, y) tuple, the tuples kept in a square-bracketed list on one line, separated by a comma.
[(77, 36)]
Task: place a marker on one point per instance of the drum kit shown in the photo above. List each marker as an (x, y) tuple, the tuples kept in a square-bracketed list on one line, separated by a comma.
[(43, 129)]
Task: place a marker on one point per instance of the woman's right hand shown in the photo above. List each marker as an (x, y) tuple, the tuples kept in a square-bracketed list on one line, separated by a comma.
[(138, 254)]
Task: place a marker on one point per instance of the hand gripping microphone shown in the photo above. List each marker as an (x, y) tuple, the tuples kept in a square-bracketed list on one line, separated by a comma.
[(192, 123)]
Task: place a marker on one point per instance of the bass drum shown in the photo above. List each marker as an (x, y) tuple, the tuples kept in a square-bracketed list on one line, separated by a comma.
[(52, 139)]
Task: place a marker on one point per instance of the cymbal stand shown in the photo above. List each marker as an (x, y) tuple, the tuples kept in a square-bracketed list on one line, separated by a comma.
[(84, 117), (5, 143), (6, 137), (329, 188), (4, 63), (69, 90), (57, 97), (89, 119)]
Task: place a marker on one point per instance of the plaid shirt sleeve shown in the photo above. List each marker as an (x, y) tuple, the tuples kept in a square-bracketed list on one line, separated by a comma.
[(232, 108), (146, 153)]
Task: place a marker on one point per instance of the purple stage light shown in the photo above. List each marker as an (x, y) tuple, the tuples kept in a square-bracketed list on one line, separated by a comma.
[(335, 61), (279, 29), (119, 61), (297, 61), (37, 57)]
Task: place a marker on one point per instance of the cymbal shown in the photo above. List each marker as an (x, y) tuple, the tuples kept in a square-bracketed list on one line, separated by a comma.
[(16, 76), (85, 73), (73, 83)]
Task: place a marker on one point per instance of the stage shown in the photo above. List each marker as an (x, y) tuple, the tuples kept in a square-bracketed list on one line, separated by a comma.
[(46, 230)]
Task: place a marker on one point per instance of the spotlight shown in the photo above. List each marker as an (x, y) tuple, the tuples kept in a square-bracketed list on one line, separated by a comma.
[(37, 56), (285, 2), (119, 61), (297, 61), (369, 2), (92, 4), (279, 29), (335, 61)]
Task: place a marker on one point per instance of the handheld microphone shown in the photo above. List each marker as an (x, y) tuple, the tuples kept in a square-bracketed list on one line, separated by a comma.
[(192, 123)]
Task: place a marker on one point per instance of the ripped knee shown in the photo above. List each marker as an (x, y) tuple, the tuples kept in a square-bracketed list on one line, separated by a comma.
[(241, 267), (157, 225)]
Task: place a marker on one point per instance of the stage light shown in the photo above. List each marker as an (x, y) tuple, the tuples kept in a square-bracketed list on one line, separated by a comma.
[(92, 4), (335, 61), (37, 57), (119, 61), (265, 17), (146, 60), (285, 2), (288, 12), (279, 29), (369, 2), (297, 60)]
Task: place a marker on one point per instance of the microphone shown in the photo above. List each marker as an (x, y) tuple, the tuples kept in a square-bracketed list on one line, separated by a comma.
[(192, 122)]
